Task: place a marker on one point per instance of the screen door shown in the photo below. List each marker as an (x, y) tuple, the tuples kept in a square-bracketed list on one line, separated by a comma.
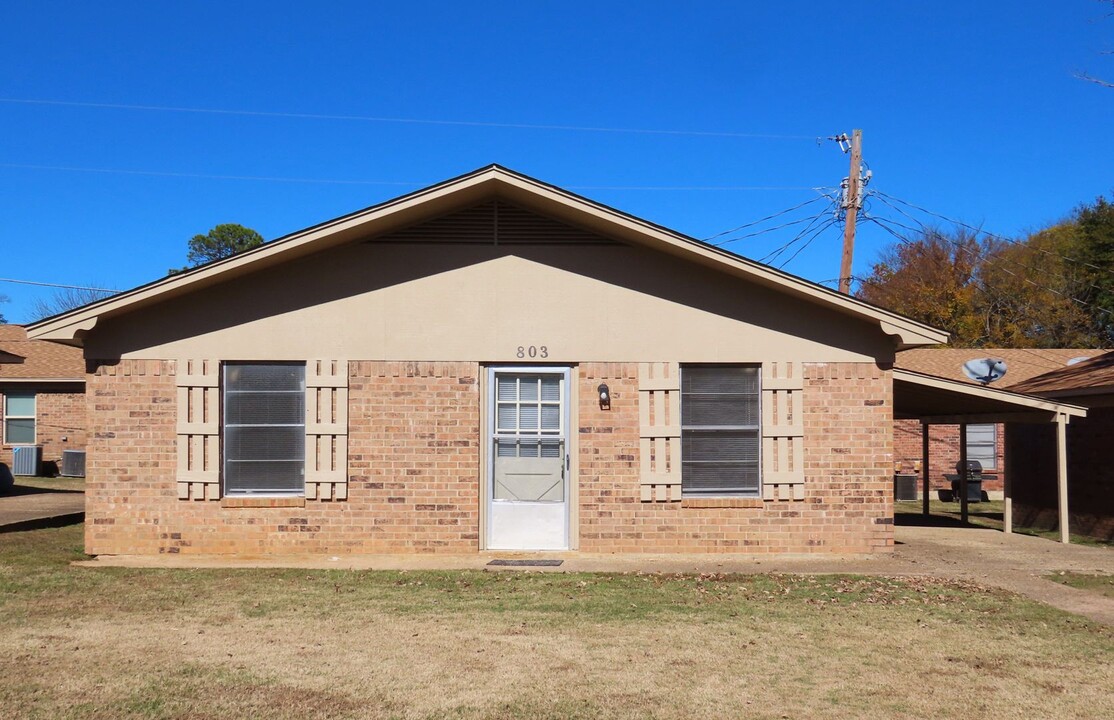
[(528, 482)]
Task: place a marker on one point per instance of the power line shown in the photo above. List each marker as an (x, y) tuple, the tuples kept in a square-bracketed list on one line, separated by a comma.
[(993, 259), (808, 242), (773, 255), (58, 285), (960, 223), (989, 260), (762, 220), (402, 120), (766, 230), (330, 181)]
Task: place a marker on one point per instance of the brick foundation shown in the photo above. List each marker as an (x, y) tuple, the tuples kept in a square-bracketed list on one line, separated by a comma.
[(414, 472)]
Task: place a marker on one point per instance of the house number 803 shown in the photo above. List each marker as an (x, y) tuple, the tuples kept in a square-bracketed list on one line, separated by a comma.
[(532, 351)]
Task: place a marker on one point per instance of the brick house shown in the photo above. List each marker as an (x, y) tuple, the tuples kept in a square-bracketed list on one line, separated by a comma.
[(491, 363), (1091, 492), (986, 442), (42, 397)]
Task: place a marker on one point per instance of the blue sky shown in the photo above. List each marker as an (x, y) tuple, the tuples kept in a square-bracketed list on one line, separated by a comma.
[(969, 109)]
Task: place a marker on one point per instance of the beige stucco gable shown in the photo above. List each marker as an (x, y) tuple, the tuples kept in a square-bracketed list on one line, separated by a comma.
[(398, 301), (469, 191)]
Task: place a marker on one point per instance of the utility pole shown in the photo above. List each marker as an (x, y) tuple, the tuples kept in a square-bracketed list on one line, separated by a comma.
[(851, 202)]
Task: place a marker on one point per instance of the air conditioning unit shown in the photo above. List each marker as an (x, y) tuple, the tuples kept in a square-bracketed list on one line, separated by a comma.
[(73, 463), (26, 459)]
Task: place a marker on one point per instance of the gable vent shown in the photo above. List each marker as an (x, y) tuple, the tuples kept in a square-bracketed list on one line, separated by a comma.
[(493, 223)]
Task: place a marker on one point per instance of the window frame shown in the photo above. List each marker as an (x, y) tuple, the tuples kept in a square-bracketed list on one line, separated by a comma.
[(756, 428), (33, 417), (223, 426), (993, 444)]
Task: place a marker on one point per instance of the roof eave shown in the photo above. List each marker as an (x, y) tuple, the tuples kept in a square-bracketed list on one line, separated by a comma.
[(70, 327)]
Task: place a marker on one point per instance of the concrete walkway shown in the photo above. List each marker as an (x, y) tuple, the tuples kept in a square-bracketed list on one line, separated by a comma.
[(1013, 562), (32, 508)]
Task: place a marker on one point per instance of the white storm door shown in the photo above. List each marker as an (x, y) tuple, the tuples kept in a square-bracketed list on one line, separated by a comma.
[(528, 479)]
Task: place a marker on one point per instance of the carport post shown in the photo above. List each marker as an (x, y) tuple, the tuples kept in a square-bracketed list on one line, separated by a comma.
[(1062, 474), (924, 468), (1007, 497), (963, 472)]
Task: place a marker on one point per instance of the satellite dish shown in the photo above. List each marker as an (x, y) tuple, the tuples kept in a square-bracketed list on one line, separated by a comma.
[(1077, 360), (985, 370)]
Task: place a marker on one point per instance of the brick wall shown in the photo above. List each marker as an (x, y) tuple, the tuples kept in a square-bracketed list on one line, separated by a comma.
[(60, 424), (848, 469), (413, 470), (414, 464), (943, 453)]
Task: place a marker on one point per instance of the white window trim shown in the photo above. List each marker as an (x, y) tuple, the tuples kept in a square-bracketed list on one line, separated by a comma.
[(993, 445), (756, 428), (224, 490), (34, 417)]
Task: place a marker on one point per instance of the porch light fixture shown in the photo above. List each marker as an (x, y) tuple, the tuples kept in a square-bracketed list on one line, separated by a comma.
[(605, 396)]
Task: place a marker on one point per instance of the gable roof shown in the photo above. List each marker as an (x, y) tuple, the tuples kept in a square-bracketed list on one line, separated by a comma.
[(1021, 363), (1094, 376), (458, 193), (23, 359)]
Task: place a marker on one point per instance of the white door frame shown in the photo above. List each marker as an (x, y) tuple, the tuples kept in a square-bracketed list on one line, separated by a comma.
[(489, 428)]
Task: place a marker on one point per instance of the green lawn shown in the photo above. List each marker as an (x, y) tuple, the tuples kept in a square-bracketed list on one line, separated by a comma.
[(80, 642), (47, 483)]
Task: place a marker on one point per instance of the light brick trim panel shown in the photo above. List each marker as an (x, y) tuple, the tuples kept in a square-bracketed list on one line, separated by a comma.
[(659, 419), (783, 434), (198, 430), (327, 430)]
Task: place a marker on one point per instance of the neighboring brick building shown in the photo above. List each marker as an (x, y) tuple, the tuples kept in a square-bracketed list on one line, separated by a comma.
[(986, 441), (491, 363), (1090, 467), (42, 397)]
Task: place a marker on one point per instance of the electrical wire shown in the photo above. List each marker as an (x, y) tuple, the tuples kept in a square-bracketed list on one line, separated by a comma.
[(883, 196), (58, 285), (776, 252), (808, 242), (762, 220), (976, 257), (412, 184), (403, 120), (994, 260), (766, 230)]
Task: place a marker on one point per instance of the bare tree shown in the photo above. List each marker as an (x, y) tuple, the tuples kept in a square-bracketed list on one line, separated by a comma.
[(1083, 74), (65, 299)]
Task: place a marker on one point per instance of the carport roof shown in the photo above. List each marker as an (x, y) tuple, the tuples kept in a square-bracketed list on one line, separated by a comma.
[(932, 399)]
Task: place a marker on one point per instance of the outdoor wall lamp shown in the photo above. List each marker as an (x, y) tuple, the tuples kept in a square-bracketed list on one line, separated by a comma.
[(605, 396)]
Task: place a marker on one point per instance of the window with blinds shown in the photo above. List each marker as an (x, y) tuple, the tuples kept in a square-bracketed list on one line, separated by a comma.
[(264, 429), (19, 419), (982, 444), (720, 423)]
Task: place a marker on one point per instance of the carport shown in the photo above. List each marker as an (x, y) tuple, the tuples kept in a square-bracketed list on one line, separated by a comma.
[(939, 401)]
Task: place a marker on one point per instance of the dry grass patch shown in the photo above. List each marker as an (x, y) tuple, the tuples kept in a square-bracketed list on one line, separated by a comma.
[(114, 642)]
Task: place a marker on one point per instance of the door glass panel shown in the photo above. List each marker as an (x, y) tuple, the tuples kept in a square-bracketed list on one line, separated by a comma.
[(527, 418), (529, 447), (551, 417)]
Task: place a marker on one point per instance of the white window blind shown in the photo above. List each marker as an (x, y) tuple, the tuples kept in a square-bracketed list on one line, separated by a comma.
[(263, 429), (720, 422)]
